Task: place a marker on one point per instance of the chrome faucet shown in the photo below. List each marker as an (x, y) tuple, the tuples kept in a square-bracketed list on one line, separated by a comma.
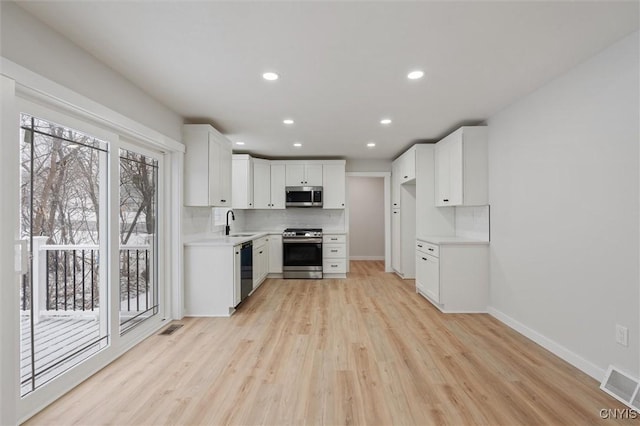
[(228, 228)]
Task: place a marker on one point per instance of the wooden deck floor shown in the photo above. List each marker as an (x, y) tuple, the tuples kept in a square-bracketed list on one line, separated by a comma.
[(365, 350), (55, 338)]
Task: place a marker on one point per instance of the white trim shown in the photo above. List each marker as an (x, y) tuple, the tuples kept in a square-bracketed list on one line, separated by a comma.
[(366, 257), (9, 220), (550, 345), (387, 211), (38, 88)]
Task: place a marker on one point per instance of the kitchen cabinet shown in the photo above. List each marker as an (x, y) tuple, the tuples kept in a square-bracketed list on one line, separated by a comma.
[(242, 181), (395, 185), (396, 260), (454, 274), (303, 174), (275, 253), (406, 166), (207, 166), (427, 271), (334, 255), (334, 186), (260, 260), (461, 176), (268, 185), (212, 279)]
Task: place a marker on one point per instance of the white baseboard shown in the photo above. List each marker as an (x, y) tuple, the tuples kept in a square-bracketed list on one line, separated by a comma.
[(366, 257), (552, 346)]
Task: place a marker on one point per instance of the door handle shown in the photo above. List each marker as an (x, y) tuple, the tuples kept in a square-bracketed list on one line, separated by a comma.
[(22, 257)]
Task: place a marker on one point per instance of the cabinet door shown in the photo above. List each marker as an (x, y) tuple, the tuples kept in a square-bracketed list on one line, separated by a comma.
[(421, 271), (334, 186), (395, 241), (278, 195), (242, 183), (275, 254), (294, 175), (214, 171), (443, 164), (261, 185), (224, 166), (236, 275), (395, 184), (432, 277), (313, 175), (456, 170)]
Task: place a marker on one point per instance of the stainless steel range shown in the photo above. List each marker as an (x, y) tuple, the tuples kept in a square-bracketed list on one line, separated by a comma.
[(302, 253)]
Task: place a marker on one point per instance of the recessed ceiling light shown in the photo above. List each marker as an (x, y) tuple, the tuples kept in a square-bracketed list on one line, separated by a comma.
[(297, 144), (271, 76), (287, 121), (414, 75), (239, 143), (385, 121), (371, 145)]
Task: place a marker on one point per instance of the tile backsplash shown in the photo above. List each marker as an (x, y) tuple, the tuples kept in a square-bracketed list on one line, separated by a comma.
[(473, 222), (199, 221)]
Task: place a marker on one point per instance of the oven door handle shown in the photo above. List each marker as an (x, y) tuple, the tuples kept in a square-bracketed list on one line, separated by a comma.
[(302, 240)]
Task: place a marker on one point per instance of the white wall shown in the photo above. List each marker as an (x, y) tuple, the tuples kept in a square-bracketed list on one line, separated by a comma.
[(564, 190), (28, 42), (353, 165), (366, 217)]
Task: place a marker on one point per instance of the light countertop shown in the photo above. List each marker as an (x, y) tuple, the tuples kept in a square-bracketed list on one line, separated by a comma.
[(224, 240), (435, 239)]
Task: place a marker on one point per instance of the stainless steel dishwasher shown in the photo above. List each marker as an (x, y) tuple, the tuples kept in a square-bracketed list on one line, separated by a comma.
[(246, 269)]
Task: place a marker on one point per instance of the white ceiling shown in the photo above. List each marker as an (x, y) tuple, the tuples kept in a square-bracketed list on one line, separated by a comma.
[(343, 65)]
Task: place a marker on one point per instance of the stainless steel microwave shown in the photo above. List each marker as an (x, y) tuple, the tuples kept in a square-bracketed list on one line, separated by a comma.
[(303, 196)]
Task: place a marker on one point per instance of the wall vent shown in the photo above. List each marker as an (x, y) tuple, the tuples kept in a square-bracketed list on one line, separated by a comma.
[(171, 329), (622, 387)]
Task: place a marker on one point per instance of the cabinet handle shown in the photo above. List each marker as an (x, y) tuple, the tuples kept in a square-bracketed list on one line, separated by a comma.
[(395, 204), (421, 246), (446, 200), (334, 239), (250, 204), (334, 251), (430, 249), (223, 201), (260, 252), (395, 212), (334, 266), (406, 177), (342, 204), (424, 258)]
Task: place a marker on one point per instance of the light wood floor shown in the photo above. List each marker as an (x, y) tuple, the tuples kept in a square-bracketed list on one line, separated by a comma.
[(366, 350)]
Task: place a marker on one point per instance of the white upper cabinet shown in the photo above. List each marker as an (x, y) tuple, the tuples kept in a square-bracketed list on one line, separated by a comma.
[(403, 168), (268, 185), (334, 186), (304, 175), (278, 194), (395, 185), (207, 166), (242, 182), (461, 168)]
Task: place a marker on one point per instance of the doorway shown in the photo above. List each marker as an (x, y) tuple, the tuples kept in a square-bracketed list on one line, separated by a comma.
[(368, 216)]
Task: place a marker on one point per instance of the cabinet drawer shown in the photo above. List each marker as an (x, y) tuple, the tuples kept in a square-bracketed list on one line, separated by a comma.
[(334, 238), (260, 242), (428, 248), (334, 266), (333, 251)]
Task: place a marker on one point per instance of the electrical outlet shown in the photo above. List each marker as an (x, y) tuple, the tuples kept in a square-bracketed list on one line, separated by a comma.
[(622, 335)]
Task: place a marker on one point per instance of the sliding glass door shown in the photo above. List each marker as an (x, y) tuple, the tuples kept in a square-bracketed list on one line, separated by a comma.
[(63, 296), (90, 222)]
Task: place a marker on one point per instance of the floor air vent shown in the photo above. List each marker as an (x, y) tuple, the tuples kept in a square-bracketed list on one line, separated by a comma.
[(171, 329), (622, 387)]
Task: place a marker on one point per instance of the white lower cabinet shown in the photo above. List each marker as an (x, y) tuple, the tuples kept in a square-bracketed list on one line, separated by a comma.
[(211, 280), (454, 277), (334, 255), (260, 261), (275, 253)]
